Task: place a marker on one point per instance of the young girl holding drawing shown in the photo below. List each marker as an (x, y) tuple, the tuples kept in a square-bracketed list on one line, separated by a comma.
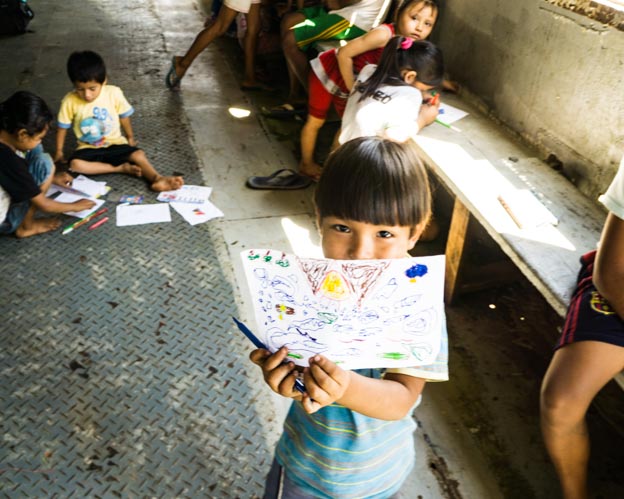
[(387, 100), (27, 172), (331, 80), (372, 202)]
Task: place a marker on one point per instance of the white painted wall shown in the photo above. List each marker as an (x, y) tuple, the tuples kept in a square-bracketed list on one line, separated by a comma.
[(554, 77)]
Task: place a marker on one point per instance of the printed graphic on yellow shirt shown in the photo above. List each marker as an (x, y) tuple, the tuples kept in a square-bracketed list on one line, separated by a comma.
[(94, 130)]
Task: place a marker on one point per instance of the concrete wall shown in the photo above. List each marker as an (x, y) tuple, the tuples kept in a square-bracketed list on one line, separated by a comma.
[(553, 76)]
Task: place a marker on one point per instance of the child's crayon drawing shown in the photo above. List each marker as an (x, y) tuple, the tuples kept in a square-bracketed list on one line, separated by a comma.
[(358, 313)]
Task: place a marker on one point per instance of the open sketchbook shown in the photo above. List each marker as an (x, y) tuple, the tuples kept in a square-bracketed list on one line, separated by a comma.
[(358, 313)]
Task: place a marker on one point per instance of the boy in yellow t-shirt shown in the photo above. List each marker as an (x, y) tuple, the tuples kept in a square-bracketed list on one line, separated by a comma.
[(98, 112)]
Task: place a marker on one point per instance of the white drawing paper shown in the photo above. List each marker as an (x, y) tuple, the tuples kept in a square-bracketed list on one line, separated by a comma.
[(449, 114), (66, 197), (357, 313), (197, 213), (91, 187), (137, 214), (186, 194)]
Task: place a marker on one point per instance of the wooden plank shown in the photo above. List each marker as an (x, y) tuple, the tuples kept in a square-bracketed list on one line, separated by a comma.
[(455, 249)]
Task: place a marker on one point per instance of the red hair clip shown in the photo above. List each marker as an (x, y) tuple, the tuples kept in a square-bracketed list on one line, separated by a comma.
[(406, 43)]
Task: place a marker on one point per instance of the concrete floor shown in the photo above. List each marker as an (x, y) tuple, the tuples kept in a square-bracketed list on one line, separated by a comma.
[(478, 435)]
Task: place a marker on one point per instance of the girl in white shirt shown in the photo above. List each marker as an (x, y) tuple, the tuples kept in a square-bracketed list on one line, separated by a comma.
[(387, 99)]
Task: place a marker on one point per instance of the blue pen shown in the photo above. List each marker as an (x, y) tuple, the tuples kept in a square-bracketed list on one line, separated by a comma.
[(299, 386)]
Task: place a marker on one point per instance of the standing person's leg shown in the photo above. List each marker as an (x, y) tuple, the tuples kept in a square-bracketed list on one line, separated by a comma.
[(250, 45), (180, 64), (295, 58), (576, 374)]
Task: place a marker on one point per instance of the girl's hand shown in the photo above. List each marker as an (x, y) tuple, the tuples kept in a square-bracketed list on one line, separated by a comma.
[(132, 141), (450, 86), (82, 204), (427, 114), (278, 375), (325, 383)]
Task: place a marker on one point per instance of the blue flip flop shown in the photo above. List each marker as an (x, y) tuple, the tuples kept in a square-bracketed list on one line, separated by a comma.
[(172, 80), (284, 179)]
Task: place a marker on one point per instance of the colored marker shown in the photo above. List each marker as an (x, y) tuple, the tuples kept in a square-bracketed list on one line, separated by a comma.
[(447, 125), (299, 386), (98, 223), (83, 221), (435, 97)]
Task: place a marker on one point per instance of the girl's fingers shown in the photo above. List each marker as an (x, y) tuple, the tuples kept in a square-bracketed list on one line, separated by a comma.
[(258, 356)]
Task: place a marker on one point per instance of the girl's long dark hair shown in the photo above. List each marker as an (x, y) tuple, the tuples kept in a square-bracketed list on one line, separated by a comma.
[(25, 111), (421, 56)]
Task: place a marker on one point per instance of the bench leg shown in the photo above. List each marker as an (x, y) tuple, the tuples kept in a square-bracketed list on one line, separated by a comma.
[(455, 249)]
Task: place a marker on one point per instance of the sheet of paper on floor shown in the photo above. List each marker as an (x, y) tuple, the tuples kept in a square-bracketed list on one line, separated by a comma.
[(66, 197), (449, 114), (91, 187), (138, 214), (197, 213), (186, 194)]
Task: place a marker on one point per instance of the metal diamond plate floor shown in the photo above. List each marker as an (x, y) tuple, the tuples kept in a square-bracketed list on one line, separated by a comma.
[(119, 372)]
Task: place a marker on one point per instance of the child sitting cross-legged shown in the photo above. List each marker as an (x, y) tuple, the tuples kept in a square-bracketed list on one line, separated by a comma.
[(372, 202), (27, 172), (97, 112)]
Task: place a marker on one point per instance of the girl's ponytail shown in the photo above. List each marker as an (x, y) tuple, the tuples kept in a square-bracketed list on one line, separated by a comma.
[(25, 111), (401, 54), (387, 69)]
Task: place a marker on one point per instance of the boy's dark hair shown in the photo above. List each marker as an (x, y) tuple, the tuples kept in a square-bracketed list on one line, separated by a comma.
[(421, 56), (376, 181), (86, 66), (408, 3), (25, 111)]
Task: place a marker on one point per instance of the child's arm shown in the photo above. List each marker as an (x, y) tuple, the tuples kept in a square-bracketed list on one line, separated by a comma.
[(127, 128), (609, 268), (61, 133), (50, 206), (427, 114), (390, 398), (374, 39)]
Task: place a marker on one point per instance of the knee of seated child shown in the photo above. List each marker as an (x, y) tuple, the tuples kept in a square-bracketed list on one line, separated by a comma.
[(40, 165)]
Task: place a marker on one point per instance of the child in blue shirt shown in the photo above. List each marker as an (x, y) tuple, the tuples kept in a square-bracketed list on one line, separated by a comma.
[(350, 434), (98, 112)]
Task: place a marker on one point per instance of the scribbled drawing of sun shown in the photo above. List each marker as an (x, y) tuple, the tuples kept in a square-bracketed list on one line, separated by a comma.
[(335, 287)]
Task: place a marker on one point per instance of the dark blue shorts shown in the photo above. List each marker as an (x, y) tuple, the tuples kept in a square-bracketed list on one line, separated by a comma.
[(590, 317), (111, 155)]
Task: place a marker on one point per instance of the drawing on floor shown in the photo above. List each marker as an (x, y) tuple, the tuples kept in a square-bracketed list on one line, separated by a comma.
[(358, 313)]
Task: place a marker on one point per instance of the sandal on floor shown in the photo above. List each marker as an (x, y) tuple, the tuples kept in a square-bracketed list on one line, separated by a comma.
[(284, 111), (284, 179), (172, 80)]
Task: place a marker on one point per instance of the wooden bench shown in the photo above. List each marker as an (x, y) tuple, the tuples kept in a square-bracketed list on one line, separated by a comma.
[(479, 162)]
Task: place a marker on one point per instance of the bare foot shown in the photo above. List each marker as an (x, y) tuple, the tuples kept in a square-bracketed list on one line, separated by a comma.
[(64, 179), (38, 226), (130, 169), (312, 170), (167, 183)]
